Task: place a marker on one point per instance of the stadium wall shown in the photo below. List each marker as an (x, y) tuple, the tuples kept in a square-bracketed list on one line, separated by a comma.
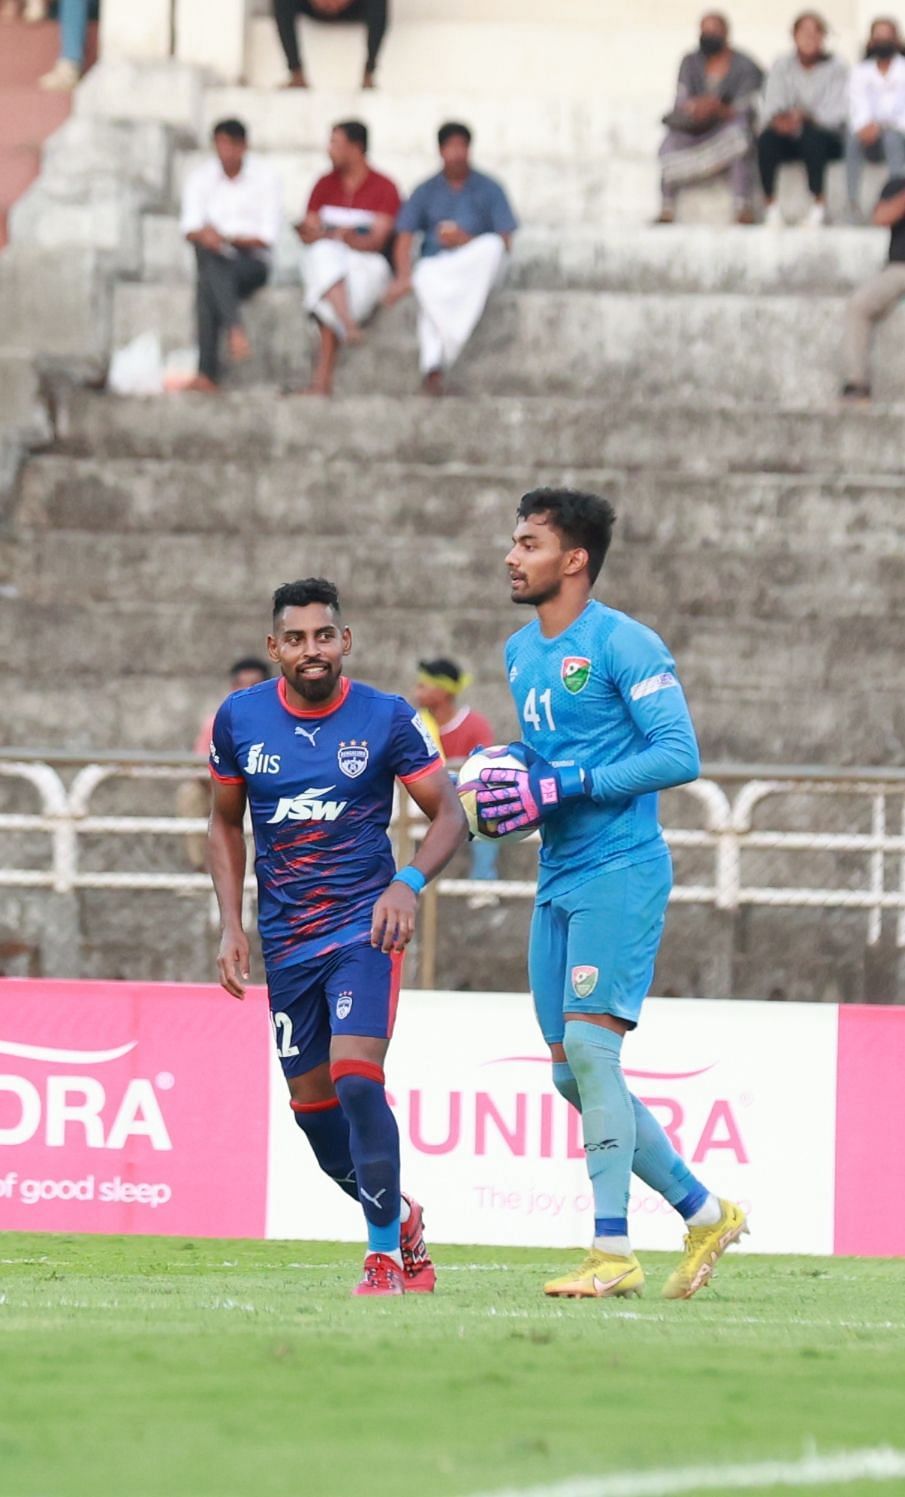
[(139, 1108)]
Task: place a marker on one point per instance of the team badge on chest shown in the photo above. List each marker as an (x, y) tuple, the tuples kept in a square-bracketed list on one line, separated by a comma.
[(576, 673), (353, 758)]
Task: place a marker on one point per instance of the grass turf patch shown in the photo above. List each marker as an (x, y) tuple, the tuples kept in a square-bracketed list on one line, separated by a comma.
[(205, 1368)]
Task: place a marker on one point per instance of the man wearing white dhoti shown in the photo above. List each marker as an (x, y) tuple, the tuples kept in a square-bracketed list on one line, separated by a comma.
[(466, 224), (346, 236)]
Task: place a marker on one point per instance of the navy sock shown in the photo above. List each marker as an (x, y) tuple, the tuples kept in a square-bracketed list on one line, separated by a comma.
[(326, 1128), (374, 1147)]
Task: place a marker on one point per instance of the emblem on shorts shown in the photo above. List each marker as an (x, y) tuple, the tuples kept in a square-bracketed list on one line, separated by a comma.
[(344, 1005), (353, 758), (576, 673), (584, 980)]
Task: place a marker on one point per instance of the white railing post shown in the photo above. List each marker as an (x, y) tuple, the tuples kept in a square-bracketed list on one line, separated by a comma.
[(877, 860)]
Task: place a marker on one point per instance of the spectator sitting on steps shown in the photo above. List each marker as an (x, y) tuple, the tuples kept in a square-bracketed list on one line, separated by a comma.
[(231, 214), (806, 107), (711, 126), (876, 111), (466, 225), (374, 13), (346, 234), (877, 297)]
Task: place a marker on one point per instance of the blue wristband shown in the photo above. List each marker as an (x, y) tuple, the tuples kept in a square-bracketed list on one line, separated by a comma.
[(411, 876), (573, 782)]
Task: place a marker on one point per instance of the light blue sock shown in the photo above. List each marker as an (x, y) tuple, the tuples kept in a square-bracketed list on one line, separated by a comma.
[(655, 1160), (608, 1122), (659, 1166)]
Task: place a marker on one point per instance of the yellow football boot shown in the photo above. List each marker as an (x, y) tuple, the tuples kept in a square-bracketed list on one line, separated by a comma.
[(704, 1246), (600, 1276)]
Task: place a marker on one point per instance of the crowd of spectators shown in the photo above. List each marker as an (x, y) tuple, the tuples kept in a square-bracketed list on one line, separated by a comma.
[(361, 245), (729, 115)]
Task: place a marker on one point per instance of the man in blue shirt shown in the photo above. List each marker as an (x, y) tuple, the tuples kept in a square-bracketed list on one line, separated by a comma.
[(606, 727), (315, 757), (466, 225)]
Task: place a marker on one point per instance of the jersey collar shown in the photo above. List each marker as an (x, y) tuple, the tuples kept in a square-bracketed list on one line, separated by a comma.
[(326, 711)]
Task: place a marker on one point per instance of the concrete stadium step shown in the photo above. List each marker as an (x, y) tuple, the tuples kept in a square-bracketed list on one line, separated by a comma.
[(124, 676), (777, 514), (560, 128), (258, 426), (461, 571), (572, 257), (757, 350)]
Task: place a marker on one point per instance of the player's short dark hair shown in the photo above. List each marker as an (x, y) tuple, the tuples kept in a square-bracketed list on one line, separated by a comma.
[(582, 520), (233, 128), (355, 132), (251, 663), (450, 130), (306, 590)]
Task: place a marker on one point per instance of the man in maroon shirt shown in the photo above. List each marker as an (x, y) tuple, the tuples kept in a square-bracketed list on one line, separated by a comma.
[(346, 235)]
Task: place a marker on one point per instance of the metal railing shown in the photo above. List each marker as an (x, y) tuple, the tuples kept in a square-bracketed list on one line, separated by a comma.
[(753, 830)]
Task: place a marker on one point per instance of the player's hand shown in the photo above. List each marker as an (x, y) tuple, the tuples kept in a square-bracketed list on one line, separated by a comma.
[(512, 800), (393, 920), (234, 962)]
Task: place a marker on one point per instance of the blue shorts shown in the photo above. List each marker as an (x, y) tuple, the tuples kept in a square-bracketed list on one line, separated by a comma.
[(354, 990), (593, 951)]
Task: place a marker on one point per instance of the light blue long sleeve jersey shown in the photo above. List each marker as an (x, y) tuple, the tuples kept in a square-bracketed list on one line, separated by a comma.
[(603, 695)]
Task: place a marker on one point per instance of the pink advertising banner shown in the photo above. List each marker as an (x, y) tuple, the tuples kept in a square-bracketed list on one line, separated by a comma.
[(130, 1107), (870, 1132)]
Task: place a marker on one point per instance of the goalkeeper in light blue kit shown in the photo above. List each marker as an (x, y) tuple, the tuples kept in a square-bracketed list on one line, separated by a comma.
[(605, 727)]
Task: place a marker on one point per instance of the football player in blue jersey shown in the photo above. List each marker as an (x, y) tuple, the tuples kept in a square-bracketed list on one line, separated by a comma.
[(316, 756), (605, 727)]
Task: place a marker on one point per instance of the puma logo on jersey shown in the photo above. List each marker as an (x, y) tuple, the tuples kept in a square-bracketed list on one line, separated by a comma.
[(261, 763), (309, 733), (308, 806)]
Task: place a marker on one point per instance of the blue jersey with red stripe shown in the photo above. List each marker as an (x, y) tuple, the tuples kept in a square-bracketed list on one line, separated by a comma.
[(320, 789)]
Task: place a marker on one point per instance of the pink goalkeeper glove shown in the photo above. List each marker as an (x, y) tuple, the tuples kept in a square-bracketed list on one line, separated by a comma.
[(511, 800)]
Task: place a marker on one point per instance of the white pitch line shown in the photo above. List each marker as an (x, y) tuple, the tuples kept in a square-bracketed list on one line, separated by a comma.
[(881, 1464)]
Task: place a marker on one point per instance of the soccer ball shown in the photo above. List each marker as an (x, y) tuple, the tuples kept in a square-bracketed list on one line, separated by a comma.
[(469, 782)]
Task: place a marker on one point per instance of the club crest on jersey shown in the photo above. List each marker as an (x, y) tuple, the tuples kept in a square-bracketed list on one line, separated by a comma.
[(353, 758), (344, 1005), (576, 673), (584, 980)]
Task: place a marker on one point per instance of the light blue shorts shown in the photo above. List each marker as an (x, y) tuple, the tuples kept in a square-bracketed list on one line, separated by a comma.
[(593, 951)]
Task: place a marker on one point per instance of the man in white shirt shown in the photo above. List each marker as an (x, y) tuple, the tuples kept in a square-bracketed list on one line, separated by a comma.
[(231, 214), (876, 110)]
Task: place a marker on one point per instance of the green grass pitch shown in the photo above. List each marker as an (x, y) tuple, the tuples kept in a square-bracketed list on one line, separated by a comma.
[(150, 1367)]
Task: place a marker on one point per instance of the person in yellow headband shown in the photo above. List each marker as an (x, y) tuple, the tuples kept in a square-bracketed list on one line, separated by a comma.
[(458, 730)]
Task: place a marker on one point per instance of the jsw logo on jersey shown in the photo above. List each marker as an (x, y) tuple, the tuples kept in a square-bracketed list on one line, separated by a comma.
[(308, 806), (260, 763)]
